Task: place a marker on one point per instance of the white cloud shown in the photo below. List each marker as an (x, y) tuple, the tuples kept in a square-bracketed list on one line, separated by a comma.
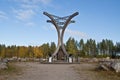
[(45, 2), (27, 6), (24, 1), (3, 15), (30, 24), (24, 15), (76, 33), (26, 10), (68, 31)]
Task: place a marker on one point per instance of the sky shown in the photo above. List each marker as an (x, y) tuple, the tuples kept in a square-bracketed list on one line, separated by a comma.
[(22, 22)]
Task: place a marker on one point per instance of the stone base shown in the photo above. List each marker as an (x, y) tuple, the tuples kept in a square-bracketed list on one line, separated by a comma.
[(50, 59), (60, 62)]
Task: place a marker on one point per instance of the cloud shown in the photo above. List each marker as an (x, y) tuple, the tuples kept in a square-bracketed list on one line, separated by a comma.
[(26, 10), (24, 15), (27, 6), (33, 4), (3, 15), (76, 33), (68, 31), (45, 2), (30, 24)]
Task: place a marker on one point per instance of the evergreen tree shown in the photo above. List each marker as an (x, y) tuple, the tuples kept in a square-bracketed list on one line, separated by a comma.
[(81, 48), (71, 46), (118, 47), (90, 47), (52, 48), (2, 51), (45, 49)]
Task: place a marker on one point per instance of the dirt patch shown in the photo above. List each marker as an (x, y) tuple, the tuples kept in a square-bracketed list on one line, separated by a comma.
[(37, 71)]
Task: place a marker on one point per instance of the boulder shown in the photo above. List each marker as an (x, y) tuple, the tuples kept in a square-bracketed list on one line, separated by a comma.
[(5, 61), (3, 65), (23, 59), (116, 66), (104, 67)]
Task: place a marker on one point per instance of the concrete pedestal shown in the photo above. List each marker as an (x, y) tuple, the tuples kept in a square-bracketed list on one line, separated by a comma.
[(70, 60), (50, 59)]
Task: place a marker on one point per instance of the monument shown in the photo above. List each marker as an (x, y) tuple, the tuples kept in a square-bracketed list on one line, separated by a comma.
[(60, 24)]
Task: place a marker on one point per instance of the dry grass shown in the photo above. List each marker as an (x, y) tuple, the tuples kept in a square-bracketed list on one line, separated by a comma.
[(88, 71), (12, 70), (107, 75)]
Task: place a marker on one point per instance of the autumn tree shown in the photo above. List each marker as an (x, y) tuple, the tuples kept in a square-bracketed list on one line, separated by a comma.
[(38, 52), (2, 51), (22, 51)]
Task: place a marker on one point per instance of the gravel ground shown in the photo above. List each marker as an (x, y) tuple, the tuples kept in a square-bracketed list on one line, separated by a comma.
[(37, 71)]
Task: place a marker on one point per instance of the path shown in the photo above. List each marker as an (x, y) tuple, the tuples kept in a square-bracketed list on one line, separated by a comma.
[(37, 71)]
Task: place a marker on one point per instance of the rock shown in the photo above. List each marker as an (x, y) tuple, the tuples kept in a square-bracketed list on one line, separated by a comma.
[(0, 59), (5, 61), (108, 58), (3, 65), (36, 59), (116, 66), (104, 67), (23, 59), (19, 59), (95, 60)]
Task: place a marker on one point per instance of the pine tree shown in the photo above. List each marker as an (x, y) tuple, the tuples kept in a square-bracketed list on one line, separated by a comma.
[(71, 46), (52, 48), (45, 49)]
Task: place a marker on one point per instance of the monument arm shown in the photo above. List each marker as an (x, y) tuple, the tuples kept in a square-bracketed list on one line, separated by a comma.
[(64, 27), (57, 28), (69, 19), (72, 21), (49, 21), (52, 19)]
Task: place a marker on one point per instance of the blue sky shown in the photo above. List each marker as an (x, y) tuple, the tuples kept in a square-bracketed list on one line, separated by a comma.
[(22, 21)]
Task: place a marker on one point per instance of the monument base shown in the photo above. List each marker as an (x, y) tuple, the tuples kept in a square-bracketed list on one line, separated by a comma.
[(70, 59), (50, 59)]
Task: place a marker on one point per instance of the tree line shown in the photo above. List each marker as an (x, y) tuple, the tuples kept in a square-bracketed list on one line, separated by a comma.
[(89, 48)]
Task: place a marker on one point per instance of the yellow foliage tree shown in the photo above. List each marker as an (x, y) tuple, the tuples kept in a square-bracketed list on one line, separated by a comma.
[(38, 52)]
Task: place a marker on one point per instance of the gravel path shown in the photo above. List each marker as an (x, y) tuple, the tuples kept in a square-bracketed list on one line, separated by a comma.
[(37, 71)]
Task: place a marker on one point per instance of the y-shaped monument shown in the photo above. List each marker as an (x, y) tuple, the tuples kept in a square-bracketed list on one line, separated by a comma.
[(60, 24)]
